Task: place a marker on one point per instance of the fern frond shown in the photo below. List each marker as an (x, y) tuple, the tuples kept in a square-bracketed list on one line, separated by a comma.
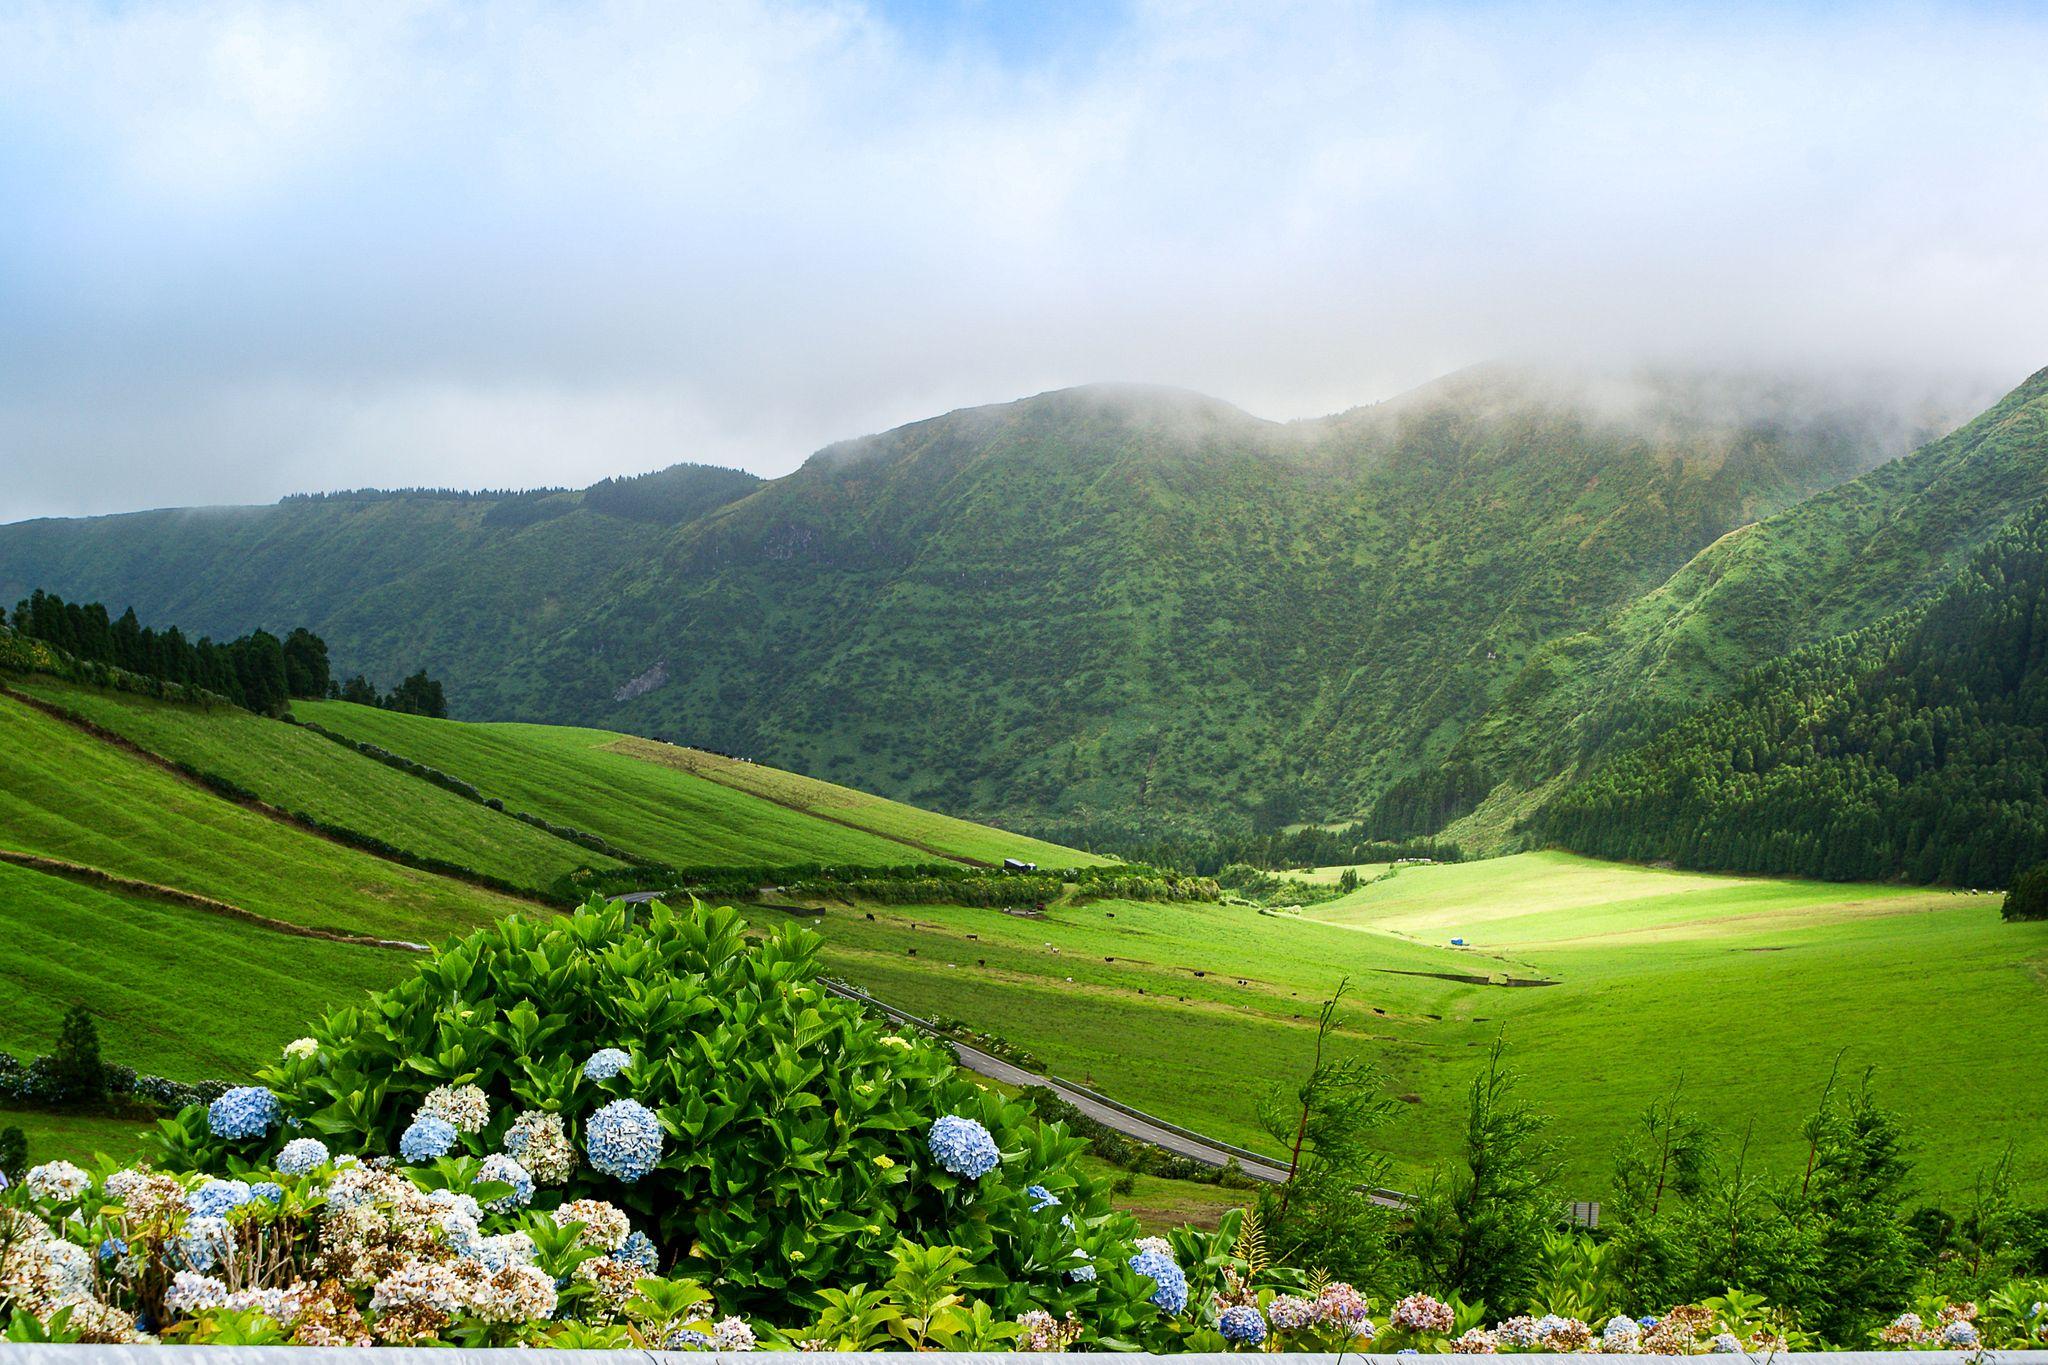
[(1251, 1242)]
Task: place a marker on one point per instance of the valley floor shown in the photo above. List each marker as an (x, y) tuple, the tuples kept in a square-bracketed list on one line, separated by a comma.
[(1747, 989)]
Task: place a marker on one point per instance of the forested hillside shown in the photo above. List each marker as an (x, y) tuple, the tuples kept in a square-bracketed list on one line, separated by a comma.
[(1917, 748), (1838, 562), (1127, 609)]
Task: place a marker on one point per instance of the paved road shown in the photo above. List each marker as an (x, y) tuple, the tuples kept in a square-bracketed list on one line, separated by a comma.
[(1179, 1142)]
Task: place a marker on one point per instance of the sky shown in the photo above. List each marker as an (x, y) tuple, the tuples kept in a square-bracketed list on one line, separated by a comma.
[(252, 248)]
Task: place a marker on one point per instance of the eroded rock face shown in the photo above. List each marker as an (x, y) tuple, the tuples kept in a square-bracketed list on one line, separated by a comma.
[(643, 683)]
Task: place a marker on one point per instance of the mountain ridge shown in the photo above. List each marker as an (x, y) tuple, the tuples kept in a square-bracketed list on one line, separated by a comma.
[(1109, 603)]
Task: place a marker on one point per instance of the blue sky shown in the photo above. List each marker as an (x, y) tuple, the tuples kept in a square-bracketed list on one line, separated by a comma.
[(253, 246)]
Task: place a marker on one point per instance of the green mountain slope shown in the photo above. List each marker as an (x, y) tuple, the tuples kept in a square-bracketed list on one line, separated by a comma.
[(392, 580), (1110, 606), (1916, 748), (1838, 562)]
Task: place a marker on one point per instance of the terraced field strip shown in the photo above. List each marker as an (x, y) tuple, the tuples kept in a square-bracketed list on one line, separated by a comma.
[(257, 805), (69, 796), (568, 776), (944, 836), (178, 989)]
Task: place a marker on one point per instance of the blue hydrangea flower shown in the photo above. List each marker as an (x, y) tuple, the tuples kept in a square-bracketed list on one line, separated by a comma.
[(1043, 1198), (216, 1197), (500, 1169), (269, 1191), (302, 1156), (205, 1239), (1242, 1323), (638, 1250), (606, 1063), (1172, 1292), (1959, 1336), (685, 1339), (623, 1139), (246, 1111), (1082, 1274), (112, 1249), (963, 1146), (425, 1138)]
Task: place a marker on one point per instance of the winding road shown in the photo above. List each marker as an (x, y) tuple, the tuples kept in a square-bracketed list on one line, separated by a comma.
[(1133, 1123)]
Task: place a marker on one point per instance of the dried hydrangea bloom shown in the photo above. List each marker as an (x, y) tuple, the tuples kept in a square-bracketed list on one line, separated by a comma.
[(605, 1225), (612, 1283), (537, 1141), (465, 1107)]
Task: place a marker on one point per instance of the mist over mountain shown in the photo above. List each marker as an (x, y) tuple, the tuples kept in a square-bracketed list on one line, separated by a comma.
[(1118, 606)]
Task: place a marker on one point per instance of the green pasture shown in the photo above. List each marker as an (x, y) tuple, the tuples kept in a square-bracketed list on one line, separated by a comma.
[(67, 795), (1747, 988), (296, 770), (77, 1137), (926, 832), (176, 992), (573, 777)]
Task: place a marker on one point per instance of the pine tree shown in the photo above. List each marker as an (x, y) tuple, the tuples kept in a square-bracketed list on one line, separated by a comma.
[(76, 1073)]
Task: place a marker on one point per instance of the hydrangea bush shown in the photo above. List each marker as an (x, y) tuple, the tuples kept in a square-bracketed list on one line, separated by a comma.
[(758, 1131)]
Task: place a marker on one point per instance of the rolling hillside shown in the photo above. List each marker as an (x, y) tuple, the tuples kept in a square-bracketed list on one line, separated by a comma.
[(296, 770), (189, 920), (1109, 606), (154, 893)]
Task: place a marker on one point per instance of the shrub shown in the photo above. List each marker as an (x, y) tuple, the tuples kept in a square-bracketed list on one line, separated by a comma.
[(2028, 898), (13, 1154), (791, 1152)]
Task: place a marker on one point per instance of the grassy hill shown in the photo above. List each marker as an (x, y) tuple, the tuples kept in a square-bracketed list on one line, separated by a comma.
[(673, 805), (1748, 987), (161, 895), (297, 770), (1113, 606), (69, 796)]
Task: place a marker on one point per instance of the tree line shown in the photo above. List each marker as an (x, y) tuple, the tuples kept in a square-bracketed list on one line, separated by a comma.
[(1206, 853), (257, 671), (1916, 749)]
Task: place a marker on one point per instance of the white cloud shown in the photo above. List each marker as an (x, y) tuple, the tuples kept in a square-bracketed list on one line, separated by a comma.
[(256, 247)]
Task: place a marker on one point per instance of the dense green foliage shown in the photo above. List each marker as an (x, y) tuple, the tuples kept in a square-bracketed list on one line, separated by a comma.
[(1841, 561), (1138, 607), (2028, 898), (793, 1157), (1917, 748)]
